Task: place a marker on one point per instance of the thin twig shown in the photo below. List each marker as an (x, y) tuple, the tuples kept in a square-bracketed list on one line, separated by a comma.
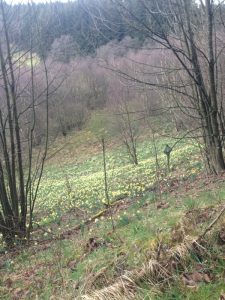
[(213, 223)]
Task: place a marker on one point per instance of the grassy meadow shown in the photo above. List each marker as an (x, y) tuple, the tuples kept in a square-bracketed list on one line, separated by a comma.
[(81, 184), (79, 245)]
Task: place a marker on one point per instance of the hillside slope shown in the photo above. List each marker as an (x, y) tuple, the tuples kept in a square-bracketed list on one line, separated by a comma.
[(80, 245)]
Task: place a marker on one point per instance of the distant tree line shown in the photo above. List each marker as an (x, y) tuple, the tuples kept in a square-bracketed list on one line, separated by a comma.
[(83, 26)]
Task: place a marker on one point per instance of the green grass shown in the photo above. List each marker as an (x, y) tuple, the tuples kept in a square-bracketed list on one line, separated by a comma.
[(82, 184), (204, 291), (139, 226)]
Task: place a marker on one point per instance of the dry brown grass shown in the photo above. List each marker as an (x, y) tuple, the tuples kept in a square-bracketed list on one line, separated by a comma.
[(125, 287)]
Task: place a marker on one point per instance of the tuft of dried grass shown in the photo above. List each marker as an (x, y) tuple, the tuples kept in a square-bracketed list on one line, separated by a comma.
[(155, 273), (125, 287), (180, 252)]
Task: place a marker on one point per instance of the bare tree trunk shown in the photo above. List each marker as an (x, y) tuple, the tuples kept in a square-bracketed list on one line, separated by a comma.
[(106, 183), (128, 132), (20, 171), (214, 142)]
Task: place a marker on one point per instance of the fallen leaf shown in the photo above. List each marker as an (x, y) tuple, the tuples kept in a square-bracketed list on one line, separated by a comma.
[(72, 264), (17, 294), (193, 287), (192, 279), (206, 278), (76, 285), (162, 205), (221, 236), (196, 276), (92, 244), (199, 267), (188, 282), (8, 282)]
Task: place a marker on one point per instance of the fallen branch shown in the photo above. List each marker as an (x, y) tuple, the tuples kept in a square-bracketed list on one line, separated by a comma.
[(93, 218)]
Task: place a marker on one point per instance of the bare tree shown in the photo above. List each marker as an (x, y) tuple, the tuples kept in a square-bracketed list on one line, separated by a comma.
[(21, 165), (127, 127), (108, 204), (177, 29)]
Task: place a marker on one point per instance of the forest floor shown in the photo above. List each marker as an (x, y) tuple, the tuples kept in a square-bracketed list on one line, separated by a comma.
[(146, 245)]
